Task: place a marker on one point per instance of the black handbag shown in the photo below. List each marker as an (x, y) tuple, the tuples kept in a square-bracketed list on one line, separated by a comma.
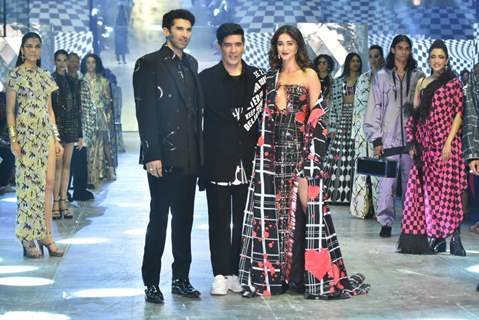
[(380, 167)]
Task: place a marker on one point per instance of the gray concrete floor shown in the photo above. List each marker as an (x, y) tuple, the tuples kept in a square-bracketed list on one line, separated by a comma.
[(99, 276)]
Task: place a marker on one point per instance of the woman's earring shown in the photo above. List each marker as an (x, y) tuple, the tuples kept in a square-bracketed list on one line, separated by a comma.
[(23, 56)]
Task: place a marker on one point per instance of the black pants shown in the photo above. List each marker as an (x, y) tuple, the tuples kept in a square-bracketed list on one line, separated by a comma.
[(7, 166), (79, 170), (173, 192), (225, 245)]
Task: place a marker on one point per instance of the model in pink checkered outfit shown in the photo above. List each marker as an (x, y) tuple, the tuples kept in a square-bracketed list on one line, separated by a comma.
[(433, 202)]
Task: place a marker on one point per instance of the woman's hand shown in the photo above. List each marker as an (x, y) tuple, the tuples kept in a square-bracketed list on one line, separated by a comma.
[(412, 152), (80, 144), (446, 151), (16, 150), (58, 149)]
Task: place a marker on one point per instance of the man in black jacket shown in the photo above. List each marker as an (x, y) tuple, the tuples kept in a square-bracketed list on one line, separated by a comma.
[(169, 112), (233, 99)]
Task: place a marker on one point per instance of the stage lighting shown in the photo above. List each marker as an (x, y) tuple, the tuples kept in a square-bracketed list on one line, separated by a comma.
[(16, 269), (135, 232), (474, 268), (83, 240), (10, 199), (416, 3), (25, 282), (104, 293), (29, 315)]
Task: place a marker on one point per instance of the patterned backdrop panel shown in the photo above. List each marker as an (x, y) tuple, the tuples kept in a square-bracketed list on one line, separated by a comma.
[(79, 42), (449, 20), (65, 15)]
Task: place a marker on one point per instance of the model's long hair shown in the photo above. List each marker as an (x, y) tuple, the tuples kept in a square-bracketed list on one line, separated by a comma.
[(410, 65), (26, 36), (98, 64), (347, 64), (302, 58)]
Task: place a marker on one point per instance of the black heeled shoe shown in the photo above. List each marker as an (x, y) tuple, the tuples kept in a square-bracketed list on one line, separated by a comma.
[(184, 288), (53, 250), (455, 246), (437, 244)]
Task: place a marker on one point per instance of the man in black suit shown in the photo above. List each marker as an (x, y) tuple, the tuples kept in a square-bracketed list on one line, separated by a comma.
[(233, 99), (169, 112)]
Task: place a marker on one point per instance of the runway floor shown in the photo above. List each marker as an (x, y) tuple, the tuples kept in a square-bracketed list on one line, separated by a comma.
[(99, 276)]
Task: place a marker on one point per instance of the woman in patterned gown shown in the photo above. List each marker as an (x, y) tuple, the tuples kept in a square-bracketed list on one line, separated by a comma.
[(365, 188), (34, 142), (339, 164), (97, 119), (288, 238), (433, 202)]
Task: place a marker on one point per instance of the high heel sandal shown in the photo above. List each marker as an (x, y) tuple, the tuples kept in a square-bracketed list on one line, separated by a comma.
[(66, 212), (53, 250), (30, 250), (56, 213)]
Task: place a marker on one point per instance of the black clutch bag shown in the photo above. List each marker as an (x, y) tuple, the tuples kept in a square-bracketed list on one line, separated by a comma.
[(380, 167)]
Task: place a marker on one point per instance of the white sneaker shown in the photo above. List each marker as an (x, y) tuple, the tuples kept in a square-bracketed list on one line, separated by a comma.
[(234, 284), (219, 286)]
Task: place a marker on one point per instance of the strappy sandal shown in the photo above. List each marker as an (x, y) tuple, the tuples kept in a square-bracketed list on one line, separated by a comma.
[(56, 213), (67, 213), (53, 250)]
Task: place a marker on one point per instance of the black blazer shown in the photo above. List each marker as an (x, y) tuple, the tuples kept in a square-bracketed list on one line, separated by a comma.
[(227, 140), (161, 108)]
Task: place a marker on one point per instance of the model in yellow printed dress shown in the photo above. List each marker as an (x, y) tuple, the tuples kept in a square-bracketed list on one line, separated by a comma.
[(34, 142), (97, 120)]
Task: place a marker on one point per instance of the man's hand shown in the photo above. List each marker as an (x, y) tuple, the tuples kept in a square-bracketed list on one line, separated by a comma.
[(378, 150), (474, 166), (155, 168), (412, 152)]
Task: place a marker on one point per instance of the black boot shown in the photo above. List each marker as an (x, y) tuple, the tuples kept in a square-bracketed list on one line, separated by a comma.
[(455, 246), (437, 244), (153, 294), (184, 288)]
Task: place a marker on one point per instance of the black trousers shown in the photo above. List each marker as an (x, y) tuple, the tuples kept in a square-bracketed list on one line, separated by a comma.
[(173, 192), (299, 247), (7, 166), (224, 203), (79, 169)]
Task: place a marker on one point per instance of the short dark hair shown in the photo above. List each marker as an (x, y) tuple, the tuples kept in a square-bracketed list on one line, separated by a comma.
[(71, 54), (99, 65), (229, 29), (59, 52), (377, 47), (169, 17)]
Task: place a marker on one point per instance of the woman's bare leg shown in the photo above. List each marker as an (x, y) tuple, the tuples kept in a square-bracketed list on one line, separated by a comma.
[(57, 185), (49, 189), (303, 193), (65, 174)]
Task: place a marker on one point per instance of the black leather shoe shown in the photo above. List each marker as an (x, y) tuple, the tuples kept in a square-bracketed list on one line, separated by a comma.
[(184, 288), (437, 245), (153, 294), (385, 232), (83, 195), (455, 246)]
